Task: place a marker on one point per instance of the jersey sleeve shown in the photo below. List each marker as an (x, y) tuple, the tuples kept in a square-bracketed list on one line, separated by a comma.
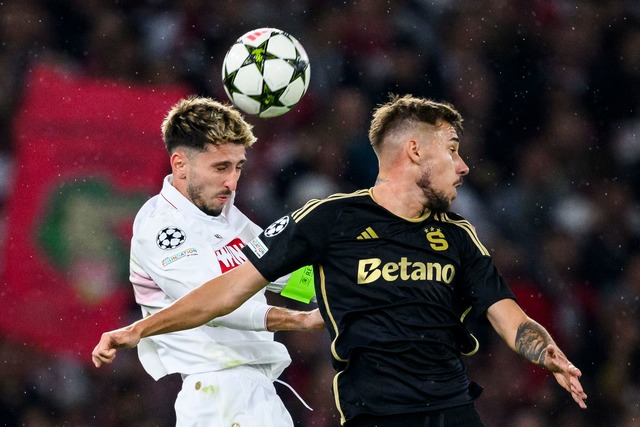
[(284, 284), (293, 241), (181, 269), (482, 284), (250, 316)]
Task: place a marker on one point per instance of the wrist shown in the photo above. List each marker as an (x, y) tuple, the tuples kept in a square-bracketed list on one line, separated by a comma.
[(138, 329), (283, 319)]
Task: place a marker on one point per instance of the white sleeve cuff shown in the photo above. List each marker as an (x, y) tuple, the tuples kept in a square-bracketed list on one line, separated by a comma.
[(250, 316)]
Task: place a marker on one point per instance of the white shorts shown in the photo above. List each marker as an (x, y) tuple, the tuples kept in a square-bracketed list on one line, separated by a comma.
[(235, 397)]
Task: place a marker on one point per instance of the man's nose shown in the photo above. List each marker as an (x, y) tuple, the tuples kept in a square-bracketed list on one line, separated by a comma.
[(463, 169), (232, 180)]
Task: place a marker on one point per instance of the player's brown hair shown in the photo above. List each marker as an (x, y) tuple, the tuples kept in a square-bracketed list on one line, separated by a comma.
[(402, 110), (196, 121)]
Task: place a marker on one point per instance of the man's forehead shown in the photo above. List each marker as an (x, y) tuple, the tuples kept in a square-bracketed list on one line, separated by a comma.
[(447, 131), (451, 132), (225, 150)]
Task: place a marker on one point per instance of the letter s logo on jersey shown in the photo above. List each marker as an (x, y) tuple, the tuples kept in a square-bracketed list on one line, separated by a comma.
[(436, 239)]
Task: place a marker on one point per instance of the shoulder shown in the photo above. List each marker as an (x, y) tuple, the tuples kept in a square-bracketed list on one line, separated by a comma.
[(453, 219), (331, 204), (464, 227), (155, 214)]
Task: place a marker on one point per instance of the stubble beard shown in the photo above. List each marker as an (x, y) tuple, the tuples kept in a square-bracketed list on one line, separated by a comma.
[(195, 194), (437, 201)]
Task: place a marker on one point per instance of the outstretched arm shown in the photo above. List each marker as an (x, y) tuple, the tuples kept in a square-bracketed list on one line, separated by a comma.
[(214, 298), (531, 340), (284, 319)]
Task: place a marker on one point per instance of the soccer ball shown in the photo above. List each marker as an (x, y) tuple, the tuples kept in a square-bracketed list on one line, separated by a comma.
[(266, 72)]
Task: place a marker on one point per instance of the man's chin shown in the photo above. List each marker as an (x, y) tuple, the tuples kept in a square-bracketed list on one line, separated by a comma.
[(211, 211), (439, 205)]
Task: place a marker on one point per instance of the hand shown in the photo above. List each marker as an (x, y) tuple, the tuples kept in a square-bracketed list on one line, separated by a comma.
[(105, 351), (567, 375)]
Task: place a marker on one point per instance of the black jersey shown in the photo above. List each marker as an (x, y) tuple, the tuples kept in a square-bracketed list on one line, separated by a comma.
[(393, 293)]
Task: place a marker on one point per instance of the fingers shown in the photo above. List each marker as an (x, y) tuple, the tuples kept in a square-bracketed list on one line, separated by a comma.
[(103, 353), (575, 388), (103, 356), (579, 396), (573, 370), (568, 375)]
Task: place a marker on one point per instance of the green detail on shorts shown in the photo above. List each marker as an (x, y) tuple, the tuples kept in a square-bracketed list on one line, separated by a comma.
[(233, 363), (300, 286), (209, 389)]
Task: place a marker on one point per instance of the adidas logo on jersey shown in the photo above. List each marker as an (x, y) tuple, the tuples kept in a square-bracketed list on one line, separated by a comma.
[(367, 234)]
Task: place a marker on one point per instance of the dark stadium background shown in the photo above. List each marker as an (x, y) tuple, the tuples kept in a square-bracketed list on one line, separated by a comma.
[(550, 92)]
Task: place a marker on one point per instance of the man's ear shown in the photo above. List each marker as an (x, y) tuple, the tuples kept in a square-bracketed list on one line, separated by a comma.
[(179, 163), (412, 148)]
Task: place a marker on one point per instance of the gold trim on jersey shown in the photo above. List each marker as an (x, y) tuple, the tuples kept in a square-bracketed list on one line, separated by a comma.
[(465, 313), (323, 289), (313, 203), (336, 396), (466, 226), (477, 347), (421, 218)]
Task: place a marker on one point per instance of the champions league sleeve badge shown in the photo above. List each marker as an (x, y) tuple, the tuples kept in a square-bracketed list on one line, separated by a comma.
[(170, 238), (277, 227)]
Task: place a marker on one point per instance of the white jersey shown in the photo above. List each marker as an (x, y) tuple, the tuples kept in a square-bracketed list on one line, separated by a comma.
[(175, 248)]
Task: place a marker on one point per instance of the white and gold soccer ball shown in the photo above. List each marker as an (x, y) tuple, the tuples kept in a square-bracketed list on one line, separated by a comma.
[(266, 72)]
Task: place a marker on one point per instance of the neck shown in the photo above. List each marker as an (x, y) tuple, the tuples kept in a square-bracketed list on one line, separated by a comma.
[(400, 198)]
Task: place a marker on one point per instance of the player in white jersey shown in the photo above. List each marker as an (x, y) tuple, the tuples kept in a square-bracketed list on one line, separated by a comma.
[(183, 237)]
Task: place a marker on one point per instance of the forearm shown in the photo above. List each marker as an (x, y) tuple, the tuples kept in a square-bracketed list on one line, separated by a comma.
[(215, 298), (283, 319), (187, 312), (522, 334), (531, 340)]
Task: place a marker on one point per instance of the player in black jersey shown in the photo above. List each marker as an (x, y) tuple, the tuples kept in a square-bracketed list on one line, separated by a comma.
[(396, 276)]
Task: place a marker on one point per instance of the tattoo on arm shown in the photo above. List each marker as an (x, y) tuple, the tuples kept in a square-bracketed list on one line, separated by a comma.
[(531, 340)]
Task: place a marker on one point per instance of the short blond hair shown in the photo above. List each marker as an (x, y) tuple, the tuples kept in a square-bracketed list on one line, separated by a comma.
[(195, 121), (407, 110)]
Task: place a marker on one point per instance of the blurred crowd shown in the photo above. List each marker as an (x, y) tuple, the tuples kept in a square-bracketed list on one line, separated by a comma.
[(550, 93)]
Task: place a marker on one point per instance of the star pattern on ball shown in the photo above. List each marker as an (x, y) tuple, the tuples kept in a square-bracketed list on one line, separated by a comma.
[(268, 97), (266, 72), (299, 67), (258, 55)]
